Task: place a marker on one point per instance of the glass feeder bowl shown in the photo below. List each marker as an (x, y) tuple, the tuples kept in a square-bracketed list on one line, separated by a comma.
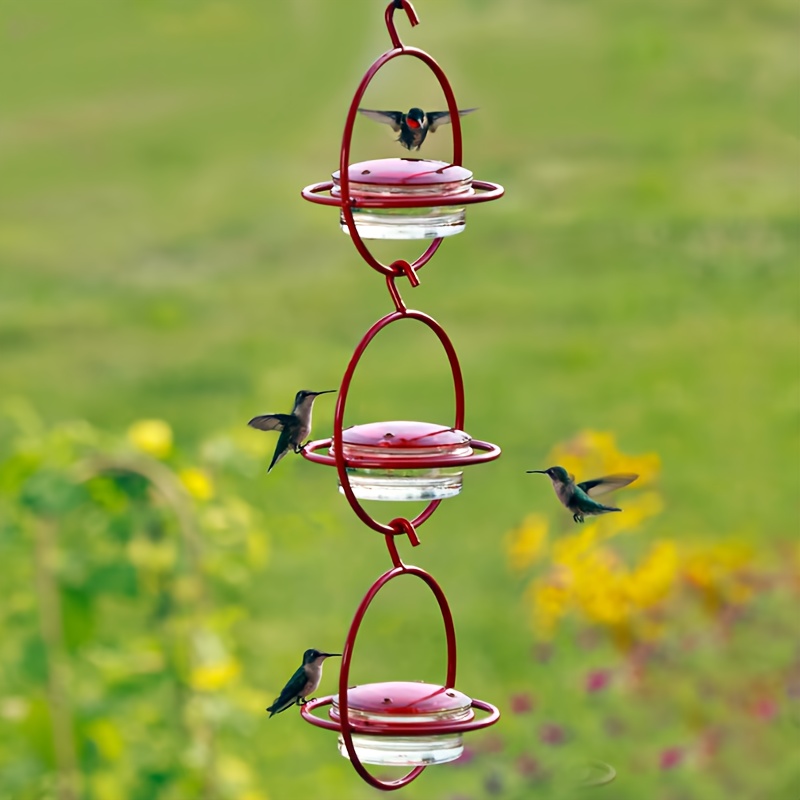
[(401, 198), (399, 712), (394, 456)]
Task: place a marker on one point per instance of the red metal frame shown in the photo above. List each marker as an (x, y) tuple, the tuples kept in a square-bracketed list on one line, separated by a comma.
[(400, 526)]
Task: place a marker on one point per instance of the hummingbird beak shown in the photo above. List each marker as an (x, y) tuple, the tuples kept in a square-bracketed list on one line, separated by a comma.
[(327, 391), (540, 471), (331, 655)]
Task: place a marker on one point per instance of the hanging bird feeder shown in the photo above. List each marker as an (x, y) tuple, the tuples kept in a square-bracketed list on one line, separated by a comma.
[(401, 460), (384, 460), (397, 707), (402, 198), (400, 722)]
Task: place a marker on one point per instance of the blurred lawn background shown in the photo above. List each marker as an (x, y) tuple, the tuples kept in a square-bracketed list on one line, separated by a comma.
[(639, 277)]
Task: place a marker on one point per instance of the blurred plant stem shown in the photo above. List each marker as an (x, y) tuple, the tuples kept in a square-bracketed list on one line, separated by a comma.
[(50, 621), (173, 493)]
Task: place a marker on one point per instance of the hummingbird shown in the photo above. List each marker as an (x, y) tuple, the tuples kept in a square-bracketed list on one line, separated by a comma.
[(304, 681), (414, 126), (577, 497), (294, 427)]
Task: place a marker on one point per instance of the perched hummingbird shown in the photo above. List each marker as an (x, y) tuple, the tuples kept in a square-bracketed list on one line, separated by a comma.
[(414, 126), (577, 497), (304, 681), (294, 427)]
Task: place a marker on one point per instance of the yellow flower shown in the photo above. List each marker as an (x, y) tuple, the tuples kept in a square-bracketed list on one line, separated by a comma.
[(719, 572), (570, 549), (550, 603), (592, 454), (214, 676), (652, 580), (151, 436), (525, 544), (197, 483)]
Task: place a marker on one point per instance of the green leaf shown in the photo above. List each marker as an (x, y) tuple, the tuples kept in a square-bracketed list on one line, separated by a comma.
[(50, 493)]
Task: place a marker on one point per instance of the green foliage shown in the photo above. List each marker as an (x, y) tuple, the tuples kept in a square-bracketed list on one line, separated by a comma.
[(130, 647)]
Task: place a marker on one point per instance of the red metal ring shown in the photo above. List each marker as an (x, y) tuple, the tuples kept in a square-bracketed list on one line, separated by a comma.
[(341, 401), (491, 452), (371, 729), (489, 191), (346, 727)]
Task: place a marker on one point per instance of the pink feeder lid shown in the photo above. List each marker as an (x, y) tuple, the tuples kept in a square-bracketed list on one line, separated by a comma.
[(405, 435), (404, 702), (416, 176)]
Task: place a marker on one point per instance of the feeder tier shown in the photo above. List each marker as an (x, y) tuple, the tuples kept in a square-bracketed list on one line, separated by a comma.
[(399, 712), (406, 198), (403, 460)]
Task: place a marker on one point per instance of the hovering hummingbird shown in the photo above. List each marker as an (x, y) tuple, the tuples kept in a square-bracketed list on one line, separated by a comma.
[(577, 497), (304, 681), (414, 126), (294, 427)]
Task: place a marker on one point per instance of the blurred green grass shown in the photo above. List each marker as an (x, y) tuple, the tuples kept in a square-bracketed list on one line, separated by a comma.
[(640, 275)]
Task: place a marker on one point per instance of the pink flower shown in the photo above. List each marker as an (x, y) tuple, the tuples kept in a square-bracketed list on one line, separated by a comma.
[(552, 734), (670, 757), (467, 756), (765, 708), (527, 766), (597, 680), (521, 703)]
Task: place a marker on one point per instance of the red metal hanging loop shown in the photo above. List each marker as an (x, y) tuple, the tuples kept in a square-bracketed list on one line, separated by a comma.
[(345, 727), (309, 451)]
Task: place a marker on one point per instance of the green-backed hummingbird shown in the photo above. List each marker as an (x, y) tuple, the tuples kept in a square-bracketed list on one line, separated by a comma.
[(304, 681), (414, 126), (577, 497), (294, 427)]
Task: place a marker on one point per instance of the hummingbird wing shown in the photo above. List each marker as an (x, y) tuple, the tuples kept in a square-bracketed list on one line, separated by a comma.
[(393, 118), (607, 483), (437, 118), (290, 693), (270, 422)]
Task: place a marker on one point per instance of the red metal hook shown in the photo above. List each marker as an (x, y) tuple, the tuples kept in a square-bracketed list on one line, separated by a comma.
[(401, 526), (413, 19)]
